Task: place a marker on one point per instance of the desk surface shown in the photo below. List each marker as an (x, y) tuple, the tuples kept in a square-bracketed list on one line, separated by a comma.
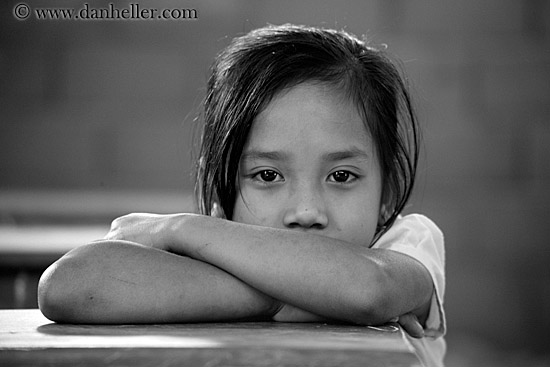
[(28, 338)]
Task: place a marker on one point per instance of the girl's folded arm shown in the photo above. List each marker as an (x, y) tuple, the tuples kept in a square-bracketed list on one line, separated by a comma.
[(318, 274), (114, 281)]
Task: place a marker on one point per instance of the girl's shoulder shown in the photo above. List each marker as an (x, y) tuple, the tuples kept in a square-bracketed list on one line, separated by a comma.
[(412, 229), (417, 236)]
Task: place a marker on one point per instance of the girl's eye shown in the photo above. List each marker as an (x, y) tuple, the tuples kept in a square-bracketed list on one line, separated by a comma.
[(268, 176), (342, 176)]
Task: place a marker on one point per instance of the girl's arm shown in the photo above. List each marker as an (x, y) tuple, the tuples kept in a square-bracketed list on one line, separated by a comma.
[(113, 281), (313, 275), (318, 274)]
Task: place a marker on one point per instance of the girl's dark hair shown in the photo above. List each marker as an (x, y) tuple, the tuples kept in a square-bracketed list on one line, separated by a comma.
[(255, 67)]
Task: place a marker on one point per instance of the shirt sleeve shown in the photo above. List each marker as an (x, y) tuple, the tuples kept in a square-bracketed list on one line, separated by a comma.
[(417, 236)]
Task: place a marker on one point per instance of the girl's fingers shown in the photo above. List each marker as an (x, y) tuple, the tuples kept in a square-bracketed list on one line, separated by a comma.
[(410, 323)]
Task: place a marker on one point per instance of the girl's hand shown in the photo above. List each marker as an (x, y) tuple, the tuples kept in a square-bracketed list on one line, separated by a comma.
[(409, 322), (152, 230)]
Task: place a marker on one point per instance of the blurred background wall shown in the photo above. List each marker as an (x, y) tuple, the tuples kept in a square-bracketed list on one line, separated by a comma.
[(109, 107)]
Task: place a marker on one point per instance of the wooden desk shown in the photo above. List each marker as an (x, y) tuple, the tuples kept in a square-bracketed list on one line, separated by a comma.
[(28, 338)]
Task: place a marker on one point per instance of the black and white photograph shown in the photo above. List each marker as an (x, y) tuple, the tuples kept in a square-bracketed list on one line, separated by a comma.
[(275, 183)]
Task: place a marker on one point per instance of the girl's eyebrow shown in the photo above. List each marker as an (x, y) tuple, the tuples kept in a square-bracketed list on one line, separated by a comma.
[(341, 155), (259, 154)]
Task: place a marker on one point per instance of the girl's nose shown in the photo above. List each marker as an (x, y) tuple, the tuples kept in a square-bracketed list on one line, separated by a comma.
[(306, 211)]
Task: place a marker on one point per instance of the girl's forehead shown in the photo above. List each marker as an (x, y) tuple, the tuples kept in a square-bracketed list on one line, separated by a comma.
[(309, 113)]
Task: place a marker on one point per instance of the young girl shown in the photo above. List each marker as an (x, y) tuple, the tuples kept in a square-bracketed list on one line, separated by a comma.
[(308, 156)]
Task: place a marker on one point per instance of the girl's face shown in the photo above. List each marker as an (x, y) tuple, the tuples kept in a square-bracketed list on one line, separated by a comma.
[(309, 164)]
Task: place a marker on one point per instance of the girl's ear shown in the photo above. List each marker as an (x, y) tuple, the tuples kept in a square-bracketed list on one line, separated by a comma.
[(200, 169), (217, 211), (381, 225), (382, 215), (198, 186)]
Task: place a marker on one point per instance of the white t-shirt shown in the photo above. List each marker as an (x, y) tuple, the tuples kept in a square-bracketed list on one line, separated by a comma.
[(417, 236)]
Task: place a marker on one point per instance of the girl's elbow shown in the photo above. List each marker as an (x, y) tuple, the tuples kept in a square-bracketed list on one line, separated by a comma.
[(58, 292), (371, 305), (51, 295), (369, 311)]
